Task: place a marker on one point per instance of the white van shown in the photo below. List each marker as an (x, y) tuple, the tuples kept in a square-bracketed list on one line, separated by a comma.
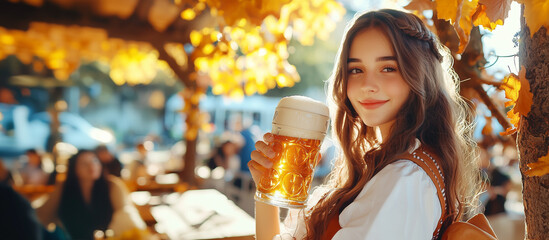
[(21, 130), (259, 109)]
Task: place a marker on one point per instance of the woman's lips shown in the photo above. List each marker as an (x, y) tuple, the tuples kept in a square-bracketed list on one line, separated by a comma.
[(372, 104)]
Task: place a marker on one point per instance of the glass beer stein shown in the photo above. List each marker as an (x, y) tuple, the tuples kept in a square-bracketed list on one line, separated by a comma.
[(299, 126)]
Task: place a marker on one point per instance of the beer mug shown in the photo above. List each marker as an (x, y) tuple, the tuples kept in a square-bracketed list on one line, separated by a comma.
[(299, 126)]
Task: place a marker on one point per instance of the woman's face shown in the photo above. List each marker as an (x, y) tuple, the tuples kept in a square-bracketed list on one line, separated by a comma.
[(88, 167), (375, 86), (230, 149), (34, 159)]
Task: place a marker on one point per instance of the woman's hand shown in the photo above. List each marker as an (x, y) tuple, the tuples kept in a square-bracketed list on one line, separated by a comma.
[(262, 157), (267, 217)]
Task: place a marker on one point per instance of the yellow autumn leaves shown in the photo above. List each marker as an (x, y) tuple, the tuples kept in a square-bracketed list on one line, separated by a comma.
[(248, 53), (242, 62), (62, 48), (539, 168), (464, 14), (517, 90), (535, 14)]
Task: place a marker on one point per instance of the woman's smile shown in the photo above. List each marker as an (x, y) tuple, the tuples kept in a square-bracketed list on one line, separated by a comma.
[(372, 103)]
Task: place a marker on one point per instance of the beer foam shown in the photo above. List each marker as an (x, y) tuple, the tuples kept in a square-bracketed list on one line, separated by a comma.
[(304, 104), (302, 117)]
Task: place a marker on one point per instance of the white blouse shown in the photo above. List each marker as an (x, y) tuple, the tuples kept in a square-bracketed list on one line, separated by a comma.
[(399, 202)]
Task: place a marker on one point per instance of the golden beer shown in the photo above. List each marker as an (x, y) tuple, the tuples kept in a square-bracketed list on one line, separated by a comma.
[(299, 126), (289, 181)]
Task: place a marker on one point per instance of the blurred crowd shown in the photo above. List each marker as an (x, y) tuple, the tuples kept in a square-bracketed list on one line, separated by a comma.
[(501, 173), (81, 199), (501, 200), (86, 194)]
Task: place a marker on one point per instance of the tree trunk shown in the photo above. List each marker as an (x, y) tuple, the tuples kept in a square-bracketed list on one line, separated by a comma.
[(56, 94), (187, 175), (533, 135)]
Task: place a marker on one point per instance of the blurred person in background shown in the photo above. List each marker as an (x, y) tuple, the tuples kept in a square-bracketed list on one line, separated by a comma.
[(109, 162), (498, 187), (18, 219), (88, 201), (138, 168), (32, 172), (226, 156), (328, 153), (5, 174), (250, 134)]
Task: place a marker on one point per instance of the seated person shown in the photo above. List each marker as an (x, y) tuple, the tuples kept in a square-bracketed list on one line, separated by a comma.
[(110, 163), (18, 219), (226, 156), (33, 173), (138, 167), (500, 185), (88, 201)]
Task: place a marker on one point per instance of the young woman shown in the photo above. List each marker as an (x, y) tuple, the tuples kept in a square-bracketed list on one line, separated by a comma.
[(88, 201), (393, 92)]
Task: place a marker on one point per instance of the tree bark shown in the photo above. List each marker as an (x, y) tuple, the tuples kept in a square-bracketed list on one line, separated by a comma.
[(189, 159), (533, 135), (187, 175)]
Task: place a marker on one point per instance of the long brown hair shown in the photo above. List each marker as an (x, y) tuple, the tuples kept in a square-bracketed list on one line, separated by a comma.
[(80, 219), (434, 113)]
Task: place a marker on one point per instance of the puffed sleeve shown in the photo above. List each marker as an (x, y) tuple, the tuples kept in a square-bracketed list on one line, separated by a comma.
[(399, 202), (293, 226)]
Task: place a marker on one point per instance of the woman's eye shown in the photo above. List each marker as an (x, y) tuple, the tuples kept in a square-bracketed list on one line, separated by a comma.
[(389, 69), (355, 70)]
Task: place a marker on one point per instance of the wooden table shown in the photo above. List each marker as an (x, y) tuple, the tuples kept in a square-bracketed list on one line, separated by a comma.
[(32, 192), (154, 187), (203, 214)]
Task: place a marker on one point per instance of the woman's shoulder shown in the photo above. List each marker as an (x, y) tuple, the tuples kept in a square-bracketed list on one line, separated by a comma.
[(404, 167), (115, 182), (400, 175), (118, 191)]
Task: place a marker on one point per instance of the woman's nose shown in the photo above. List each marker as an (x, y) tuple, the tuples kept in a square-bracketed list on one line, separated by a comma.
[(369, 85)]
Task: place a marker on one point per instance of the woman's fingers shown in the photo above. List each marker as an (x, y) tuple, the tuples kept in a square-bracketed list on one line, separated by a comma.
[(261, 159), (256, 170), (268, 137), (265, 149)]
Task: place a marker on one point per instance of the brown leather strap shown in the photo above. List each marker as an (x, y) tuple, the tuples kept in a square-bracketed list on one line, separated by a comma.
[(333, 227), (427, 161)]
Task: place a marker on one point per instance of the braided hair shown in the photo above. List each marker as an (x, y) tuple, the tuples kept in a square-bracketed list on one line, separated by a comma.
[(434, 113)]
